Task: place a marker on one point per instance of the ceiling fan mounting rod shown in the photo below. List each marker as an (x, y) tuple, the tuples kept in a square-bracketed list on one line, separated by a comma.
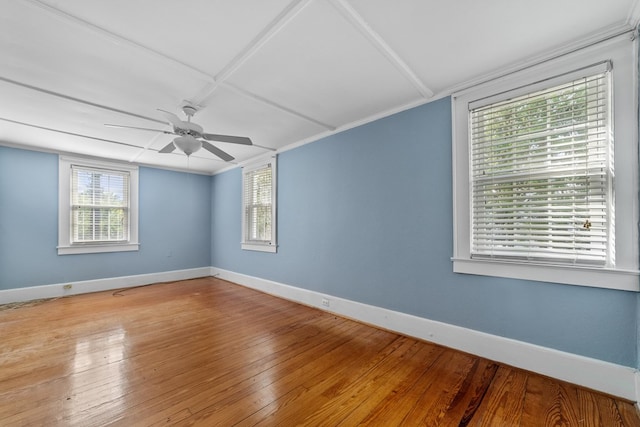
[(189, 111)]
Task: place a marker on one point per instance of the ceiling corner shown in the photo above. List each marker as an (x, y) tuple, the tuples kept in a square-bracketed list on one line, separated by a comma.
[(633, 19)]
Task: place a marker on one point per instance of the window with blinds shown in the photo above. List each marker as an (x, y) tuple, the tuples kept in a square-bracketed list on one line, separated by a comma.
[(259, 207), (541, 174), (99, 205)]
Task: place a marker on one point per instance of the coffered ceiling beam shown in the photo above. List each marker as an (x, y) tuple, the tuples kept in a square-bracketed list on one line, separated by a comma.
[(379, 43)]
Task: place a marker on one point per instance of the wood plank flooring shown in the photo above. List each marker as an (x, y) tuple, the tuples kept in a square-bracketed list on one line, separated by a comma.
[(211, 353)]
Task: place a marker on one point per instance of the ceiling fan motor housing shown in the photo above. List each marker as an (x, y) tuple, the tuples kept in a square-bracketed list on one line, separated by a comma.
[(188, 128)]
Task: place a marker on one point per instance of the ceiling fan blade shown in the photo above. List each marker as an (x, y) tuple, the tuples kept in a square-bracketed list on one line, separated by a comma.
[(168, 148), (218, 152), (172, 118), (227, 138), (138, 128)]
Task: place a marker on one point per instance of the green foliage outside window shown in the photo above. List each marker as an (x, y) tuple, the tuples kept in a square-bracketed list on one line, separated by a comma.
[(258, 206), (99, 206), (539, 169)]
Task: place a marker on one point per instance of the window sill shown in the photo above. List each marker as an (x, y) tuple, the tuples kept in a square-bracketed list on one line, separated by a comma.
[(93, 249), (626, 280), (259, 247)]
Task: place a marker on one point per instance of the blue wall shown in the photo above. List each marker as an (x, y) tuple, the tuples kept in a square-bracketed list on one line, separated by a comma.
[(174, 220), (366, 215)]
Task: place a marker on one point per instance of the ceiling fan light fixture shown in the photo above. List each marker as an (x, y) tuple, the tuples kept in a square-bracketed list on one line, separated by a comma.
[(187, 144)]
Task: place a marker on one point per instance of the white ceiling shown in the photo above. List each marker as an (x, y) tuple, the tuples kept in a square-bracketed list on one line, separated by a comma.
[(282, 72)]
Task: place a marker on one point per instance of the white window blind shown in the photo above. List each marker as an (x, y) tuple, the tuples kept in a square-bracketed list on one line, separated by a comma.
[(541, 171), (99, 205), (258, 205)]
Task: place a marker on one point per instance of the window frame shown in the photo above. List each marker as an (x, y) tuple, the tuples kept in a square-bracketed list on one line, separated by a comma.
[(65, 244), (246, 243), (598, 152), (621, 51)]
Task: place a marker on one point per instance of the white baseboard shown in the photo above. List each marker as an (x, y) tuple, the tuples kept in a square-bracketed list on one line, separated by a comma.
[(86, 286), (610, 378), (637, 383)]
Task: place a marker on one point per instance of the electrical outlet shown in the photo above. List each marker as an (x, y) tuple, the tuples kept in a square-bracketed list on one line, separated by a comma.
[(67, 286), (326, 302)]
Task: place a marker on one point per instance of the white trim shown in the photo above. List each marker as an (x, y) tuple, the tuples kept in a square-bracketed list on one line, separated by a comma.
[(272, 104), (360, 24), (637, 383), (257, 161), (340, 129), (121, 40), (274, 27), (608, 278), (260, 248), (610, 378), (97, 285), (94, 249), (603, 35), (634, 14), (64, 196), (595, 374), (267, 161), (622, 52)]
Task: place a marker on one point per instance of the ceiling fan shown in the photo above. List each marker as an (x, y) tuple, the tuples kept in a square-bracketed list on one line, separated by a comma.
[(190, 136)]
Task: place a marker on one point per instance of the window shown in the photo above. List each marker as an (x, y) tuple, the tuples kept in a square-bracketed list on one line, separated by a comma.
[(97, 207), (545, 175), (259, 206), (540, 173)]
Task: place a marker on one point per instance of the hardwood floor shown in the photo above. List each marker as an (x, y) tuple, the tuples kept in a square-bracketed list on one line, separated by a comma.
[(208, 352)]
